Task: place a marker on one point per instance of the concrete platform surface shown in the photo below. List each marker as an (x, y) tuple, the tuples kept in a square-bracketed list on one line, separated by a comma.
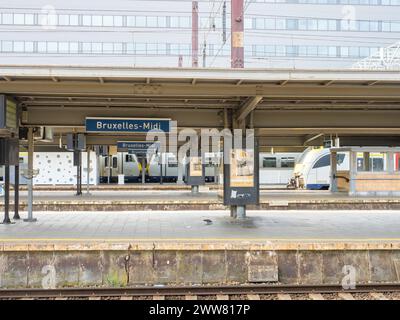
[(181, 226)]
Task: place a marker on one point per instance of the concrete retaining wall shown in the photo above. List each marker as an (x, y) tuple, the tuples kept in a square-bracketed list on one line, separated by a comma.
[(115, 268)]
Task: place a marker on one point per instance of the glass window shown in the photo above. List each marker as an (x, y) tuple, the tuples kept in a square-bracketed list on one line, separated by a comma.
[(269, 24), (374, 26), (364, 51), (130, 21), (130, 48), (63, 47), (287, 162), (323, 51), (97, 21), (312, 51), (386, 26), (354, 52), (8, 18), (42, 47), (395, 27), (52, 47), (332, 25), (152, 22), (292, 24), (108, 48), (174, 22), (118, 21), (87, 20), (248, 23), (29, 46), (97, 47), (7, 46), (280, 24), (162, 22), (63, 19), (19, 46), (19, 18), (118, 48), (108, 21), (151, 48), (371, 162), (73, 47), (344, 51), (312, 24), (269, 162), (86, 47), (162, 48), (324, 161), (74, 20), (322, 24), (260, 23), (364, 26), (140, 21), (140, 48), (303, 24), (332, 51), (184, 22), (29, 19)]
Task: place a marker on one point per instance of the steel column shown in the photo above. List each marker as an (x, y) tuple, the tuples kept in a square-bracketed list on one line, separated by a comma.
[(88, 172), (29, 176), (16, 193), (237, 38), (195, 34), (7, 195)]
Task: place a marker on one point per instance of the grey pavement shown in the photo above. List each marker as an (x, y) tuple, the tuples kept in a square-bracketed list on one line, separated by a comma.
[(169, 225), (176, 195)]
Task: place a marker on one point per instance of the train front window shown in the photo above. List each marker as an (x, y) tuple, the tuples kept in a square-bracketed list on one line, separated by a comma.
[(324, 161), (287, 162), (269, 162)]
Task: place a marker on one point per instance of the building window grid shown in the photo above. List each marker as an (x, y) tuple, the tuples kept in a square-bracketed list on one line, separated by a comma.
[(185, 22), (172, 49)]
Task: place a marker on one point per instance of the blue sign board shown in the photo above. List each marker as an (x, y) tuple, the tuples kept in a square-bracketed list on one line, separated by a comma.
[(126, 125), (128, 146)]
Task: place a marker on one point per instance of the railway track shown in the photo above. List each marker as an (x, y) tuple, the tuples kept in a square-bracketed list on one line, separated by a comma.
[(244, 292)]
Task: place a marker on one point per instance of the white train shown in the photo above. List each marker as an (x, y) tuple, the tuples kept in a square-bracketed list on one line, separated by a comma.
[(312, 170), (277, 168)]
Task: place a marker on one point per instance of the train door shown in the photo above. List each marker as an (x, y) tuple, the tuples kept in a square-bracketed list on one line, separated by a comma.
[(131, 167)]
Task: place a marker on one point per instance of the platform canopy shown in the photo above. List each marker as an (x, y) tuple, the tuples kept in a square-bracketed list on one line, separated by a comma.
[(291, 107)]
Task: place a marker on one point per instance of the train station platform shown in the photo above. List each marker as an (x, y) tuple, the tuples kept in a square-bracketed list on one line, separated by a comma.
[(109, 249), (207, 199)]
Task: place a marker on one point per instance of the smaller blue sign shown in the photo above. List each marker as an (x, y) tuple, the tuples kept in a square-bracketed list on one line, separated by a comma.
[(136, 146), (126, 125)]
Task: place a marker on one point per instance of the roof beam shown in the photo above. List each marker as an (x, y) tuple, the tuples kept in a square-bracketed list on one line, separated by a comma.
[(248, 106)]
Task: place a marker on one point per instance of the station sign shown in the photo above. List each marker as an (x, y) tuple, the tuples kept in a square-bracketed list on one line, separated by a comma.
[(126, 125), (8, 114), (137, 146)]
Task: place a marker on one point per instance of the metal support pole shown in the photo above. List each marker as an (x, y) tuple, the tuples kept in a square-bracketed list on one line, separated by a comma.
[(30, 176), (88, 172), (143, 170), (7, 195), (237, 38), (334, 187), (240, 212), (16, 193), (195, 190), (195, 34)]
